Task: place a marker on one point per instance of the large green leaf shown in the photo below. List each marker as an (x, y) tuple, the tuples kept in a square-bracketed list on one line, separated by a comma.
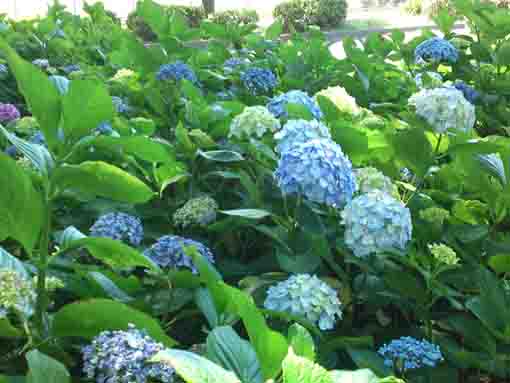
[(21, 206), (87, 319), (301, 341), (43, 369), (155, 16), (84, 107), (7, 330), (113, 253), (233, 353), (413, 149), (301, 370), (40, 94), (369, 359), (100, 179), (193, 368)]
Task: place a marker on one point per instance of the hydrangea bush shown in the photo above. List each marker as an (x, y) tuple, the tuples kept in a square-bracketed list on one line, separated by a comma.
[(436, 49), (176, 71), (306, 295)]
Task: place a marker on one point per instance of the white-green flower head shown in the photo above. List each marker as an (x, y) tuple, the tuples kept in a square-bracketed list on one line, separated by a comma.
[(444, 254), (342, 100), (428, 80), (296, 132), (253, 122), (308, 296), (445, 109), (198, 211), (376, 222), (16, 293), (370, 179), (435, 215)]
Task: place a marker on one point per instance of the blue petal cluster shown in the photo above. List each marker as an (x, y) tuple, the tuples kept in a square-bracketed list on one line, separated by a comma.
[(234, 63), (319, 171), (123, 357), (278, 105), (376, 222), (410, 353), (119, 226), (259, 81), (169, 252), (176, 71), (68, 69), (38, 138), (120, 105), (296, 132), (436, 49), (470, 93)]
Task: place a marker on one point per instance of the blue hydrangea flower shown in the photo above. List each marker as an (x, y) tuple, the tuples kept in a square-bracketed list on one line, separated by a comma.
[(38, 138), (278, 105), (436, 49), (169, 252), (376, 222), (68, 69), (105, 129), (11, 151), (319, 171), (41, 63), (259, 81), (120, 105), (4, 71), (470, 93), (234, 63), (119, 226), (306, 295), (409, 353), (124, 357), (176, 71), (296, 132)]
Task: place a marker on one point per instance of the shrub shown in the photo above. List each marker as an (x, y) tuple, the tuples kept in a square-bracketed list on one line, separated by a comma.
[(297, 14), (243, 16)]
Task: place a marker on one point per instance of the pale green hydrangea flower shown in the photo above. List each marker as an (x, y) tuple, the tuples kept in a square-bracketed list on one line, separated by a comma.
[(370, 179), (123, 74), (342, 100), (435, 215), (17, 293), (444, 254), (198, 211), (445, 109), (253, 122)]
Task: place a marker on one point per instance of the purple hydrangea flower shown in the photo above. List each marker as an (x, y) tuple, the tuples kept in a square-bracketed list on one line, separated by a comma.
[(124, 357), (119, 226), (410, 353), (259, 81), (169, 252), (176, 71), (8, 112)]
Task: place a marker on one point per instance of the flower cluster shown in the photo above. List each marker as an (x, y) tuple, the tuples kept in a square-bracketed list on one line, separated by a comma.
[(410, 353), (259, 81), (435, 215), (8, 112), (176, 71), (306, 295), (124, 357), (122, 74), (432, 80), (17, 293), (119, 226), (470, 93), (38, 139), (120, 105), (342, 100), (169, 252), (297, 132), (41, 63), (198, 211), (105, 129), (370, 179), (444, 109), (68, 69), (234, 63), (376, 222), (444, 254), (278, 105), (436, 50), (253, 122), (319, 171)]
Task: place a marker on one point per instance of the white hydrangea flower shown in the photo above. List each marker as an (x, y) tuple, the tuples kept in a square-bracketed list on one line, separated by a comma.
[(299, 132), (306, 295), (253, 122), (343, 100), (444, 109)]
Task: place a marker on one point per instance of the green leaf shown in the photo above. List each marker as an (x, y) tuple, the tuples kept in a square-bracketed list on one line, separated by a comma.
[(193, 368), (301, 370), (102, 180), (40, 94), (221, 155), (7, 330), (113, 253), (109, 287), (86, 105), (500, 263), (274, 30), (86, 319), (205, 303), (43, 369), (69, 235), (227, 349), (21, 206), (330, 110), (359, 376), (9, 261), (413, 149), (444, 20), (369, 359), (247, 213), (155, 16), (301, 342)]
